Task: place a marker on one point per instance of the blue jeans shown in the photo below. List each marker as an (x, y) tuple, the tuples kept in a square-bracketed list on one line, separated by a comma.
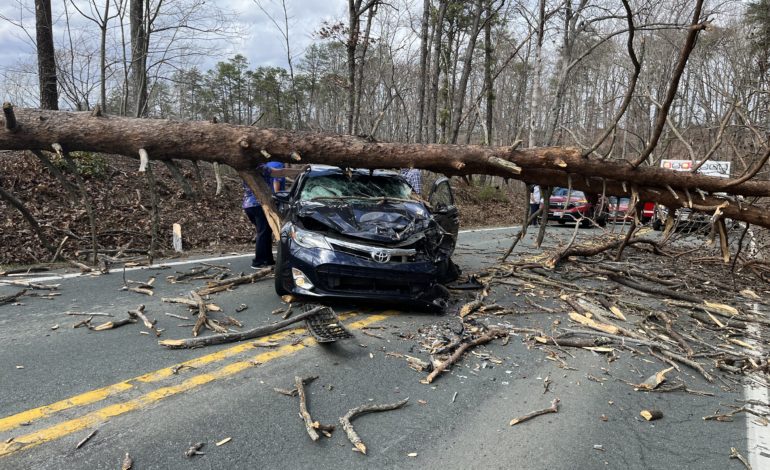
[(263, 251)]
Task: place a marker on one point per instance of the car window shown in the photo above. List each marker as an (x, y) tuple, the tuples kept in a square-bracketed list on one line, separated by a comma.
[(563, 192), (441, 197), (363, 186)]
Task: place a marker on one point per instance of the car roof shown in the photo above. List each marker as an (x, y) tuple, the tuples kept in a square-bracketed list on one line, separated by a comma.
[(322, 170)]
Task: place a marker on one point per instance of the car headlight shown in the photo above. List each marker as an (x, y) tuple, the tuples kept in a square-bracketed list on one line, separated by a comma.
[(307, 239)]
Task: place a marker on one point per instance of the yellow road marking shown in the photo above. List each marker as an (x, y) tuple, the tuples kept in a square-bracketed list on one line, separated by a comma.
[(101, 415), (25, 417)]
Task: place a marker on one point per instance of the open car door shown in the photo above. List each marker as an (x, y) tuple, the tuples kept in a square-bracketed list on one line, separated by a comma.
[(445, 211)]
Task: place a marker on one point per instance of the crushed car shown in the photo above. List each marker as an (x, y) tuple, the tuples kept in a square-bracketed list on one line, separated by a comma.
[(364, 234)]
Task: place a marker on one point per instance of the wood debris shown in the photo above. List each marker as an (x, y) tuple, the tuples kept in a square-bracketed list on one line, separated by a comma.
[(458, 353), (734, 454), (347, 426), (194, 449), (554, 408), (139, 313), (213, 287), (655, 380), (110, 325), (651, 415), (303, 412), (6, 299), (197, 342), (86, 439), (128, 463)]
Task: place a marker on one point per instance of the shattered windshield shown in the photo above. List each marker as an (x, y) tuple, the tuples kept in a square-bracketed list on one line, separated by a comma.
[(355, 186)]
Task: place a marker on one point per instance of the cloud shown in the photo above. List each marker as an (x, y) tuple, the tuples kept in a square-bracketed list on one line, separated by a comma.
[(259, 39)]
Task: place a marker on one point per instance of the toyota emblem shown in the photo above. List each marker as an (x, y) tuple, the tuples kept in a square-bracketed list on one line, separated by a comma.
[(381, 256)]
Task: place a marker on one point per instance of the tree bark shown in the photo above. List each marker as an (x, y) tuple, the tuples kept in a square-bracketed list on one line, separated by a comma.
[(241, 148), (138, 56), (46, 60), (459, 98), (423, 69)]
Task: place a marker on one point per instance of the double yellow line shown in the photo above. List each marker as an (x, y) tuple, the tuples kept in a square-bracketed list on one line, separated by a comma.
[(101, 415)]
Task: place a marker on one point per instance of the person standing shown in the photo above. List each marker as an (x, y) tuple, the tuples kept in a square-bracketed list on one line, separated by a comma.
[(263, 250), (414, 178), (535, 199)]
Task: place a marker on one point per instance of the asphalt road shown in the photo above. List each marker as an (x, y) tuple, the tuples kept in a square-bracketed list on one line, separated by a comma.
[(58, 385)]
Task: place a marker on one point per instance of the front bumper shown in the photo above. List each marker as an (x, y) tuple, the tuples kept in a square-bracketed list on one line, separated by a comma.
[(567, 215), (343, 275)]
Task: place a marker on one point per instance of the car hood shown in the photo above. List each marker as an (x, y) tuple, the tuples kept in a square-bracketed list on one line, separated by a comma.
[(572, 199), (388, 222)]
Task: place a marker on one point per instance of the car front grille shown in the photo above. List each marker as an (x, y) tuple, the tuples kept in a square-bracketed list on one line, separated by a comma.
[(380, 254), (347, 279)]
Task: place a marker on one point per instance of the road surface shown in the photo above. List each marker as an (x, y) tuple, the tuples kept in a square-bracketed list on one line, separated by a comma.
[(59, 385)]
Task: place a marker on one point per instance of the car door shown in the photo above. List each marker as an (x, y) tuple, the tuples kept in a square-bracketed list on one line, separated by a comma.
[(445, 212)]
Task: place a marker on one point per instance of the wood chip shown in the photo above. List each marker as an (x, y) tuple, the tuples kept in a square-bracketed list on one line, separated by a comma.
[(651, 415), (655, 380), (224, 441)]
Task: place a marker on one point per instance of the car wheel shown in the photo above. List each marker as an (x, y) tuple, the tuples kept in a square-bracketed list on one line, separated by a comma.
[(281, 277), (602, 221), (656, 224)]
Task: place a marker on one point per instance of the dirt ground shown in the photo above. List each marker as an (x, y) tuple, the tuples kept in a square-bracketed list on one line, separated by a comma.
[(122, 205)]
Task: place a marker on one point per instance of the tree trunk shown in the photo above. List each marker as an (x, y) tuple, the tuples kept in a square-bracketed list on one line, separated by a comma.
[(488, 80), (241, 147), (459, 98), (46, 60), (352, 44), (138, 56), (432, 136), (423, 70), (537, 91)]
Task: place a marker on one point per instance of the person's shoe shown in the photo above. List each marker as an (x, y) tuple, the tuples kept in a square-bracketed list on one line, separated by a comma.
[(261, 264)]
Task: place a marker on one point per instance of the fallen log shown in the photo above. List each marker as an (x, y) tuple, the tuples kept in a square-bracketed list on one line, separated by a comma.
[(554, 408), (347, 426), (441, 367), (198, 342), (242, 146)]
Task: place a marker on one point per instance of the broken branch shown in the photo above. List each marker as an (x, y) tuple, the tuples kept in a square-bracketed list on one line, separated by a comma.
[(345, 421)]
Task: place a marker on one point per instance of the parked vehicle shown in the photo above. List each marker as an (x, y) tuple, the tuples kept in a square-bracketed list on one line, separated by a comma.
[(683, 217), (648, 211), (362, 234), (617, 209), (580, 207)]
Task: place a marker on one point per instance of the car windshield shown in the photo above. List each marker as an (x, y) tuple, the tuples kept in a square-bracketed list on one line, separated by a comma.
[(563, 193), (356, 186)]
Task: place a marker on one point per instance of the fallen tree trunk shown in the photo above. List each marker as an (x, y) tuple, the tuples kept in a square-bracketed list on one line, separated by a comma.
[(244, 147)]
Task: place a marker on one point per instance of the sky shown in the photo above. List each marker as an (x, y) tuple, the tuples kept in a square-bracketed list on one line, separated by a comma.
[(260, 41)]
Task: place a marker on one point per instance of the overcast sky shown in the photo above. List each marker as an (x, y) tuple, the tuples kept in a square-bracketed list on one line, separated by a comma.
[(260, 42)]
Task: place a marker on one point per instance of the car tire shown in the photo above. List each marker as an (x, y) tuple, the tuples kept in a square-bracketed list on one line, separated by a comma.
[(657, 225), (281, 277), (602, 221)]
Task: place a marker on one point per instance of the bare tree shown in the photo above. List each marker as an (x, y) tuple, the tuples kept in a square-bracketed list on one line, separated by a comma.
[(46, 58)]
